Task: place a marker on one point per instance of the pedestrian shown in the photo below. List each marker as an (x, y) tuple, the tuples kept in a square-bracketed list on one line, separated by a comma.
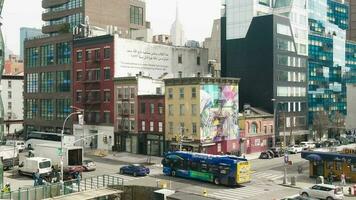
[(91, 144), (6, 188), (331, 177), (343, 179)]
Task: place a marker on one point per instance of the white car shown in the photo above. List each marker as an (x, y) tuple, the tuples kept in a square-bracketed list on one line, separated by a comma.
[(323, 191), (295, 149), (307, 145)]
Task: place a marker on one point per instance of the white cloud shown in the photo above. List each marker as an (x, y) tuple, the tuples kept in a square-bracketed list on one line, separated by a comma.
[(196, 16)]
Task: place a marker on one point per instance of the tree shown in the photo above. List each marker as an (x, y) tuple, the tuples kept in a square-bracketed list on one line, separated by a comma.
[(321, 123), (338, 123)]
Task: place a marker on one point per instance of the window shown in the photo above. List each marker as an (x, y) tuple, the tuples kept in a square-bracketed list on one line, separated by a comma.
[(143, 126), (132, 125), (107, 96), (198, 60), (8, 84), (283, 30), (126, 93), (353, 167), (126, 108), (160, 108), (63, 81), (180, 59), (160, 127), (132, 93), (107, 73), (151, 126), (88, 55), (330, 164), (47, 82), (93, 74), (107, 53), (264, 2), (194, 109), (47, 109), (119, 93), (32, 83), (170, 93), (9, 105), (79, 96), (143, 108), (194, 128), (338, 166), (79, 75), (181, 93), (136, 15), (170, 109), (253, 127), (132, 108), (31, 108), (9, 94), (107, 117), (170, 126), (119, 109), (152, 108), (194, 92), (181, 127), (47, 55), (181, 109), (97, 54), (63, 53), (32, 57), (79, 56)]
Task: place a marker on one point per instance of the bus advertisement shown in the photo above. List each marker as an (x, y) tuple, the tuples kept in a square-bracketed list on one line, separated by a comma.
[(218, 169)]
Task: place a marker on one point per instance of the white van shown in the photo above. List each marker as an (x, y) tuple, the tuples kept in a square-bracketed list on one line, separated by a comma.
[(307, 145), (34, 164), (17, 143)]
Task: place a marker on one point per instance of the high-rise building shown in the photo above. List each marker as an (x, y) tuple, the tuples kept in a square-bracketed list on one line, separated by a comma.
[(317, 29), (177, 31), (48, 60), (13, 66), (27, 33), (273, 65), (351, 32), (2, 61)]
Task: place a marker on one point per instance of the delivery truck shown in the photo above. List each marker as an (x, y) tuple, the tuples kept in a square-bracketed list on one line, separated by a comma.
[(9, 156), (72, 155), (36, 164)]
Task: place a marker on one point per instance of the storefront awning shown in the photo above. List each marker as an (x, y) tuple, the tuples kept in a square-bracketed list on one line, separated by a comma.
[(329, 156), (313, 157)]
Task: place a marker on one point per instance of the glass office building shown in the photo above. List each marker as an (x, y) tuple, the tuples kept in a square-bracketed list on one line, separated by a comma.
[(2, 61), (331, 57)]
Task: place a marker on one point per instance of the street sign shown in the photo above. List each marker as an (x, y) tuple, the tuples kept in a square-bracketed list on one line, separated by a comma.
[(59, 152)]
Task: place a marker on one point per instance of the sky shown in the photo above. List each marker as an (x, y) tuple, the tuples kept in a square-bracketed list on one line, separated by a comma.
[(196, 16)]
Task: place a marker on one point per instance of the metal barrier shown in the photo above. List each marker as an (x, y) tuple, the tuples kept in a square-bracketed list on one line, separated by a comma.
[(59, 189)]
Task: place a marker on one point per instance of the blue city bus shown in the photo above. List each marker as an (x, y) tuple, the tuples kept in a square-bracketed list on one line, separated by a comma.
[(218, 169)]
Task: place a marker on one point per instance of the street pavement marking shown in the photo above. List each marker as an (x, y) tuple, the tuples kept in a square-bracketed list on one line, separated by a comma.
[(238, 193), (269, 175)]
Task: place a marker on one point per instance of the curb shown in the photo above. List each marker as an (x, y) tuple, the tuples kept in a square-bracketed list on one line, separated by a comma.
[(290, 186)]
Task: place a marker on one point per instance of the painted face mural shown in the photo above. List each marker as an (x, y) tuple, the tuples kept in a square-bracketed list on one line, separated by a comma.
[(219, 112)]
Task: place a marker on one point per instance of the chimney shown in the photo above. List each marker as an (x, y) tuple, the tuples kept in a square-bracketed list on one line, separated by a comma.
[(180, 74)]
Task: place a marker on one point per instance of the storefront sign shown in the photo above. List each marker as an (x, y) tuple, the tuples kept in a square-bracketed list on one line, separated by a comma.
[(349, 151)]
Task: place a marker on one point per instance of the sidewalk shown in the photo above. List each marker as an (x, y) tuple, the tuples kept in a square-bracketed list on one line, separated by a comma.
[(128, 157), (304, 181)]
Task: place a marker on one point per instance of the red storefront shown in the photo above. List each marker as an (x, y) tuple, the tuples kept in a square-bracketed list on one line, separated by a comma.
[(151, 123)]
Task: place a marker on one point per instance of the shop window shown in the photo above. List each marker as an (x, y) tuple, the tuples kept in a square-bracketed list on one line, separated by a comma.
[(330, 165), (353, 168), (339, 166)]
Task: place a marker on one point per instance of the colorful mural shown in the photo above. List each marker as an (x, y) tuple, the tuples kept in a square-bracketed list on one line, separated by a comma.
[(219, 109)]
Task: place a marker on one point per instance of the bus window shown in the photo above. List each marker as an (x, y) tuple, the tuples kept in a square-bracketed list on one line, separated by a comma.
[(204, 167), (224, 169), (213, 169), (194, 166)]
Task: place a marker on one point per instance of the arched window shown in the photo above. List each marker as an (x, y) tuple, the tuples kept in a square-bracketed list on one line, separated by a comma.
[(254, 127)]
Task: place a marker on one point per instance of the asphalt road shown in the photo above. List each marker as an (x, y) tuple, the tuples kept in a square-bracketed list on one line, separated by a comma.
[(266, 178)]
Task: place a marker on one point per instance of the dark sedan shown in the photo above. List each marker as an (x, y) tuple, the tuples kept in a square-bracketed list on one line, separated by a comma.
[(135, 170)]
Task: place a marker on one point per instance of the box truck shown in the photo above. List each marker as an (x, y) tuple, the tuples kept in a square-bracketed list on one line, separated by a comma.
[(9, 156)]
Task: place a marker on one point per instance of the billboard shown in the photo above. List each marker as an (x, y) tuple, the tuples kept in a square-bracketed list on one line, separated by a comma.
[(219, 109), (133, 56)]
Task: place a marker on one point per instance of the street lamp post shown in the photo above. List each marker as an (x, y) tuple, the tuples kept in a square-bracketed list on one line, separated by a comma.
[(274, 122), (62, 136)]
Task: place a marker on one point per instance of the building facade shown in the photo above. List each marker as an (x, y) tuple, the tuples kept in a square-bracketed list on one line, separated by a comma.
[(48, 60), (12, 96), (256, 130), (280, 71), (93, 89), (127, 90), (151, 126), (351, 107), (202, 114), (13, 66), (177, 31), (213, 43), (27, 33), (351, 32), (2, 61)]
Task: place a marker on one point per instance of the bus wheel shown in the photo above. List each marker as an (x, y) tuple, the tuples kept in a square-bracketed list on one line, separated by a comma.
[(173, 173), (216, 181)]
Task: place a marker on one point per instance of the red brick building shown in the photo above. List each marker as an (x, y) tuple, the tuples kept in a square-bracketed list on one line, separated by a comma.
[(93, 88), (151, 123), (256, 130)]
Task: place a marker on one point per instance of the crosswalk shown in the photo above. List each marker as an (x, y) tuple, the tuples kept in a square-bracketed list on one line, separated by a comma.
[(239, 193), (267, 175)]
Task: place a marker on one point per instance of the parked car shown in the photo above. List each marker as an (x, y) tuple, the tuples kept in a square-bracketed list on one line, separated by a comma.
[(294, 149), (89, 165), (323, 191), (307, 145), (278, 152), (135, 170)]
